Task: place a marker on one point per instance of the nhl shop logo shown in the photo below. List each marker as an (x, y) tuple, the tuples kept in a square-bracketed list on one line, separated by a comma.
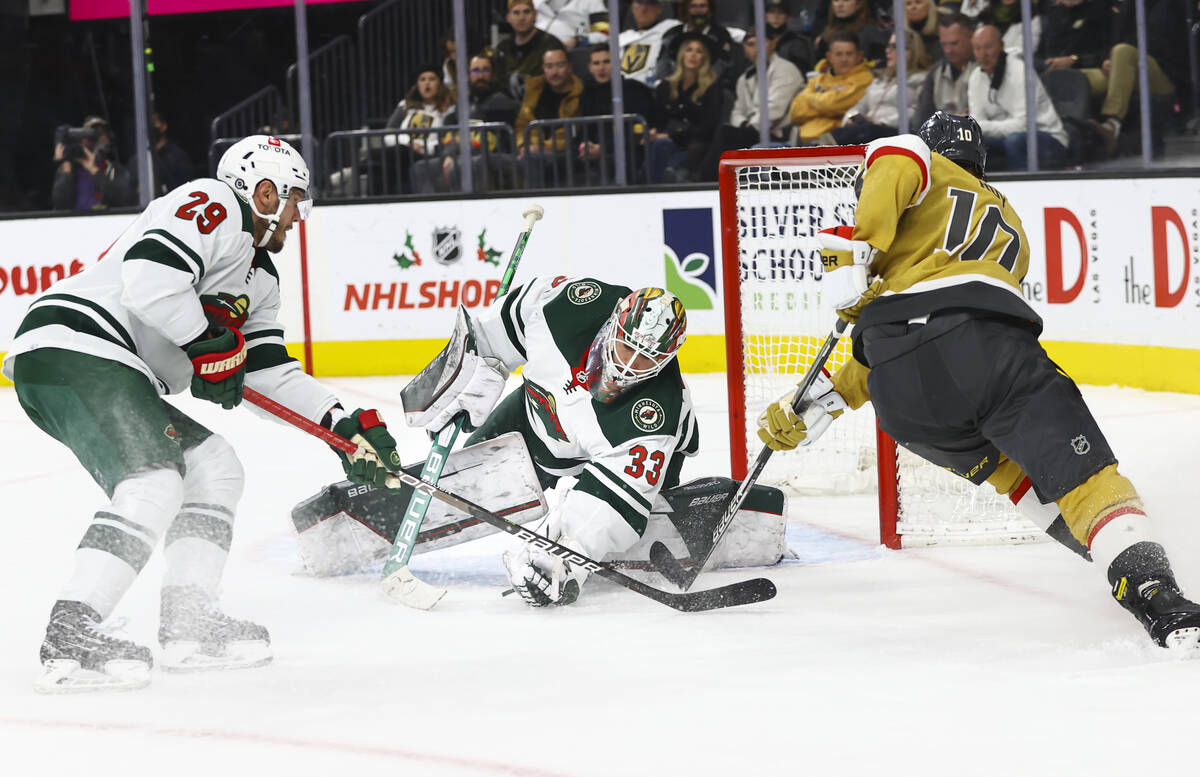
[(583, 292), (648, 415), (1080, 445)]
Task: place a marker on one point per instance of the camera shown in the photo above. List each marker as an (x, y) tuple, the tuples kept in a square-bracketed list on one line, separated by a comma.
[(72, 139)]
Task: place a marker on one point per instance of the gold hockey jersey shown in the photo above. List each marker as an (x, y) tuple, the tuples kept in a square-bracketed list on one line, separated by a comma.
[(946, 241)]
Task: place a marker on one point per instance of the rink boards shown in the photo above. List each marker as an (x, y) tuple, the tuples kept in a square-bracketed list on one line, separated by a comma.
[(1114, 270)]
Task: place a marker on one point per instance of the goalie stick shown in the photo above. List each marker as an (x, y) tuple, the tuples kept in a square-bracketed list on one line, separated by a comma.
[(398, 581), (670, 567), (743, 592)]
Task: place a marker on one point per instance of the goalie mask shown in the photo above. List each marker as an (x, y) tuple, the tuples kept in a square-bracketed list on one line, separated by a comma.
[(259, 158), (641, 337)]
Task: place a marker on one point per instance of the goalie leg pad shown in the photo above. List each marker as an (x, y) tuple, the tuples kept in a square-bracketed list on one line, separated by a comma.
[(684, 518), (348, 528)]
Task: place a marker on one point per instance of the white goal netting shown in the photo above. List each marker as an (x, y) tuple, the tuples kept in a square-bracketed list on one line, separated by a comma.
[(781, 203)]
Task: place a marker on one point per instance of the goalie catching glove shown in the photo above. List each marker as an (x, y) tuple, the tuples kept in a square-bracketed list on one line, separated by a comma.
[(376, 455), (541, 579), (781, 428), (847, 265), (457, 381)]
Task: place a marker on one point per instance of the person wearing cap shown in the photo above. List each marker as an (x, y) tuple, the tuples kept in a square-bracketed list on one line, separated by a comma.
[(520, 55), (783, 82), (792, 46), (424, 107), (642, 45), (92, 179), (699, 17)]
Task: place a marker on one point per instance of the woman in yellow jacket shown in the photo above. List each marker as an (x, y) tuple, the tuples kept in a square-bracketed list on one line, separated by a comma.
[(828, 95)]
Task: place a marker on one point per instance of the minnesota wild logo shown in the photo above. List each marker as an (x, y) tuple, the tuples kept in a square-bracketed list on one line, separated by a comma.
[(224, 309), (542, 403), (402, 258), (486, 253)]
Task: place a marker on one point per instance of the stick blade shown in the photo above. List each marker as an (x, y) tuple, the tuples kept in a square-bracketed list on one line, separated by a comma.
[(406, 588), (670, 567), (760, 589)]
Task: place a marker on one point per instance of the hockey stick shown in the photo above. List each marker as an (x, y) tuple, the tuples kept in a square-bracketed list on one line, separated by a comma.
[(669, 566), (743, 592), (397, 580)]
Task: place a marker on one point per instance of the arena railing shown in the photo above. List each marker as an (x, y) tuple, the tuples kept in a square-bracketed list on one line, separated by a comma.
[(264, 108), (333, 76), (556, 153), (369, 164)]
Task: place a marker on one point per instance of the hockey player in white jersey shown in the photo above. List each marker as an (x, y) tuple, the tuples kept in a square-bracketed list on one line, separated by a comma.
[(601, 399), (186, 298)]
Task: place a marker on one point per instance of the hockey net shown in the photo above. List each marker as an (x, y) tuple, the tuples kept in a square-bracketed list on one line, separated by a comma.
[(773, 202)]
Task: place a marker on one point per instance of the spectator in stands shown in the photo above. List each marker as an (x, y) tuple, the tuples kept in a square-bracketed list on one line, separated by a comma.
[(574, 22), (87, 175), (1075, 34), (877, 114), (597, 101), (699, 18), (783, 82), (450, 57), (171, 164), (1166, 62), (642, 45), (424, 107), (996, 99), (520, 56), (495, 169), (793, 46), (922, 18), (824, 102), (553, 95), (854, 16), (1005, 15), (687, 108), (945, 87)]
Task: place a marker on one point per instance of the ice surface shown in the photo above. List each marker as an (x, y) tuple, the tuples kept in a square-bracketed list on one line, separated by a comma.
[(968, 661)]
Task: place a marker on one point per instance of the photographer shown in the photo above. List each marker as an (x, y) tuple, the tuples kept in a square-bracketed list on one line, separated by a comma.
[(87, 175)]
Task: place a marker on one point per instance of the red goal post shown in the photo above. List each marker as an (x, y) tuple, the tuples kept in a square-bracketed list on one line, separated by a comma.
[(773, 202)]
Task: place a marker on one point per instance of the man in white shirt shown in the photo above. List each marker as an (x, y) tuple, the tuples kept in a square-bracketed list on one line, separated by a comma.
[(642, 46), (996, 99)]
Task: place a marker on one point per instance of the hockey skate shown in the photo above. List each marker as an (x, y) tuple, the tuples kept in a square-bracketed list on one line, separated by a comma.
[(1153, 597), (79, 657), (198, 637)]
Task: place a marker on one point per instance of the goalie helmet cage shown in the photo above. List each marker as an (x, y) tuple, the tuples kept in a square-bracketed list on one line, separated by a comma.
[(773, 202)]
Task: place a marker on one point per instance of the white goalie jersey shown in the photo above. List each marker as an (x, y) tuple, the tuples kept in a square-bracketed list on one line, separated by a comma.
[(622, 453), (187, 263)]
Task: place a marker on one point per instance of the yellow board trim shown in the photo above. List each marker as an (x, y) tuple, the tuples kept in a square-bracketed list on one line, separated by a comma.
[(1155, 368)]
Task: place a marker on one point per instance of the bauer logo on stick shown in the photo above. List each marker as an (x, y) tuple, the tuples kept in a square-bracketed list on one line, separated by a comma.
[(583, 292), (648, 415)]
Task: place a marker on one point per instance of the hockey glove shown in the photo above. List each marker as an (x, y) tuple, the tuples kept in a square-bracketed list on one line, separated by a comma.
[(847, 265), (219, 363), (542, 580), (782, 429), (376, 454)]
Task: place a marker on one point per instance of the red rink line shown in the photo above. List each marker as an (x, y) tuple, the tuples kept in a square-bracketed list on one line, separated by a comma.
[(302, 744)]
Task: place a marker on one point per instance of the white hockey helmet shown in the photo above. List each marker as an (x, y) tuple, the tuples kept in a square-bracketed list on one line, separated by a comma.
[(260, 158), (642, 336)]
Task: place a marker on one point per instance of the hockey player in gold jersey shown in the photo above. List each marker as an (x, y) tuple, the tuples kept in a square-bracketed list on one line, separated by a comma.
[(946, 349)]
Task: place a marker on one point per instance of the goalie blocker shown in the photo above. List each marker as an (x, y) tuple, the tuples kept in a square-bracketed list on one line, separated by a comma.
[(348, 528)]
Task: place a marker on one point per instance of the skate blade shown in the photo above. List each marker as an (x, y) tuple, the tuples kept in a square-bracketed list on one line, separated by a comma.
[(64, 675), (1184, 643), (404, 587), (183, 656)]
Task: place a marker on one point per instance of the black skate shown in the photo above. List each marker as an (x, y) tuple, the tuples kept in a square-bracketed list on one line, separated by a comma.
[(79, 656), (1148, 590), (198, 637)]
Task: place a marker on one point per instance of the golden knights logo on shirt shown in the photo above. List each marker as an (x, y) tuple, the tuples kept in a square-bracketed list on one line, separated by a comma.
[(634, 58)]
